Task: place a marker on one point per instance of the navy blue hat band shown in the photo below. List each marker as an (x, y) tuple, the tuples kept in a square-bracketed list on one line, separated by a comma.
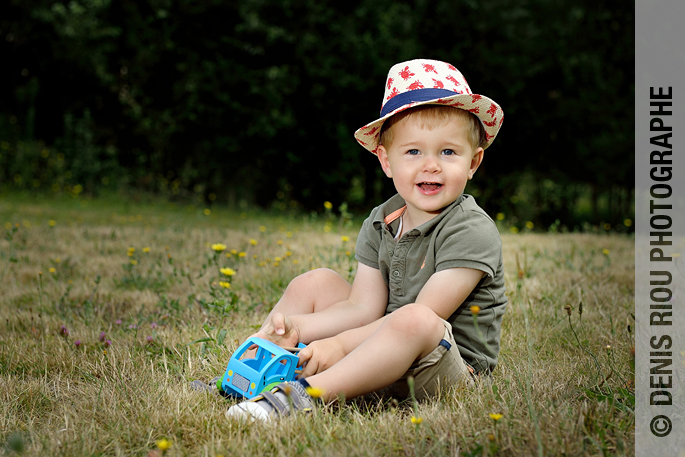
[(413, 96)]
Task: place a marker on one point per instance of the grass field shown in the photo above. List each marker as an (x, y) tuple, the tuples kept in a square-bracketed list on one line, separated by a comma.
[(102, 305)]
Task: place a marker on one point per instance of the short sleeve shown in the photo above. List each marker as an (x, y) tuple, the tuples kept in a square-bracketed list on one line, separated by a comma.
[(368, 242), (469, 241)]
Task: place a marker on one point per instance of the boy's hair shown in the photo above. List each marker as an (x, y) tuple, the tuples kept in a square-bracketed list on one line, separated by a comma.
[(432, 116)]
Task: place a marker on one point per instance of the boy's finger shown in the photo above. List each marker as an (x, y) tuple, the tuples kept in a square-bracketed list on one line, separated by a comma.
[(278, 322), (310, 369), (304, 356)]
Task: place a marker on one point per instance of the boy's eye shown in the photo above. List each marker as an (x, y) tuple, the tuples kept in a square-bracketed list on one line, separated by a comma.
[(413, 152), (448, 152)]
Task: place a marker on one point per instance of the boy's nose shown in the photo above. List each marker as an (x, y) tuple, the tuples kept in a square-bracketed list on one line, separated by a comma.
[(431, 165)]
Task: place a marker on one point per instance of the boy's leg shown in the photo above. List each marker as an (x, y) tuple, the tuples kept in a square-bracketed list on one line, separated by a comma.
[(406, 335), (312, 292)]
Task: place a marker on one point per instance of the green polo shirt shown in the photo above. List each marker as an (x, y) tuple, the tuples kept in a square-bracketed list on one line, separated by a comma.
[(461, 236)]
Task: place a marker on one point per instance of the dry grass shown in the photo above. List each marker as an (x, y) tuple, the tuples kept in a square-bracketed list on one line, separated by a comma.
[(59, 399)]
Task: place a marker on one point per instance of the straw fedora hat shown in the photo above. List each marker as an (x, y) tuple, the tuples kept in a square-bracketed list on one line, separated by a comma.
[(430, 82)]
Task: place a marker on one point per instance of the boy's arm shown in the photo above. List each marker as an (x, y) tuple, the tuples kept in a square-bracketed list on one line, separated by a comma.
[(444, 292), (366, 303)]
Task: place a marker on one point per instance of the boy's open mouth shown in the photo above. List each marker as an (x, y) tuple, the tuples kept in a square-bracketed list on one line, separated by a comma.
[(429, 186)]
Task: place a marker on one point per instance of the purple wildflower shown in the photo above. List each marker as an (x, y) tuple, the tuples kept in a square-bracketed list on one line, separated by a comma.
[(133, 326), (149, 339), (64, 331), (118, 322), (102, 336), (108, 343), (77, 343), (154, 325)]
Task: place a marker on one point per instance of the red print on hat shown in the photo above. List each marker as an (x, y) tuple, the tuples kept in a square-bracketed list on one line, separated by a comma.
[(390, 80), (492, 110), (372, 131), (489, 124), (451, 78), (406, 73), (415, 85), (429, 68), (474, 110), (475, 98), (438, 84), (393, 93)]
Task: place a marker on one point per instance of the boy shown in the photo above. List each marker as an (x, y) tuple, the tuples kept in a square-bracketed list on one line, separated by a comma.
[(429, 260)]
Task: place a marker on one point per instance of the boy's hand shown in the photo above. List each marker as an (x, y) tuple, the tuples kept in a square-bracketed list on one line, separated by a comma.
[(280, 330), (320, 355)]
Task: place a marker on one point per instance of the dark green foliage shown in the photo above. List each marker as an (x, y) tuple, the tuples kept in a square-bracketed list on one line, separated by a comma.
[(257, 100)]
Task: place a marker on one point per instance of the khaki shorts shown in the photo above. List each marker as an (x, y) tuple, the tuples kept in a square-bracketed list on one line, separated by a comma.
[(442, 368)]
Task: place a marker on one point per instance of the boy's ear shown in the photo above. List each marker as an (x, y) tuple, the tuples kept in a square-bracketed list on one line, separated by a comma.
[(476, 161), (383, 159)]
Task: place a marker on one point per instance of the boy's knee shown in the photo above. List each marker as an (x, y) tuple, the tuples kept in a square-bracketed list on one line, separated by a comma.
[(415, 319), (316, 277)]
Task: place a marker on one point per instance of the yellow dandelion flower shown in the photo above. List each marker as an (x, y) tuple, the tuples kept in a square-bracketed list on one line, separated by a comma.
[(500, 216), (529, 225), (218, 247), (261, 264), (289, 234), (277, 259), (241, 254), (279, 242), (52, 223), (605, 251), (296, 261), (416, 420), (276, 264), (327, 228), (254, 256), (227, 271), (52, 270), (131, 249), (475, 309), (146, 249), (129, 253), (253, 242), (57, 260), (234, 251), (134, 262), (207, 211), (348, 253), (262, 228), (627, 222), (315, 392), (163, 444), (225, 285), (495, 416), (229, 255), (327, 205), (607, 226), (345, 238), (288, 253), (513, 229)]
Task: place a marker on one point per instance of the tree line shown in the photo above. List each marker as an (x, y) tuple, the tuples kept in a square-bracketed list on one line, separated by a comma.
[(256, 100)]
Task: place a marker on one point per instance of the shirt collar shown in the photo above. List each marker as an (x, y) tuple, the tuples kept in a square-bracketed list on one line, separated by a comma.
[(396, 203)]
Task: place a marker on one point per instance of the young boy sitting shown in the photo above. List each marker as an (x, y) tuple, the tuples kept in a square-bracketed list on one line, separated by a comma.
[(429, 261)]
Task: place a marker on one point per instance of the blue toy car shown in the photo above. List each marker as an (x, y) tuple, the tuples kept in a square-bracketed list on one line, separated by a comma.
[(270, 366)]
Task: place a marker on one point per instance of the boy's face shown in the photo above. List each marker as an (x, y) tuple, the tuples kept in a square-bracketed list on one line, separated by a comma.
[(430, 168)]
